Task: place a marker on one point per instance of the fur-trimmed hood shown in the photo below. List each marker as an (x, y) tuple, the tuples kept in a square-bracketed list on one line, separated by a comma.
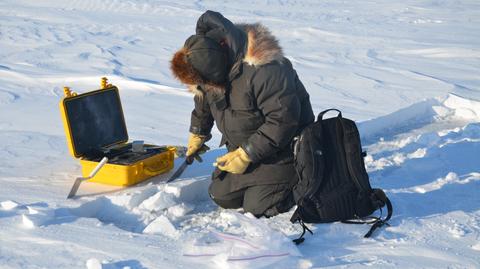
[(261, 48)]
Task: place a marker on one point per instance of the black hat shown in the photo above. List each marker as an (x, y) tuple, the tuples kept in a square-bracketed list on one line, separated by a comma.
[(207, 57)]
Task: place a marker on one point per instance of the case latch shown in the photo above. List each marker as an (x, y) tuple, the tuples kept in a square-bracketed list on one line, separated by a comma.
[(68, 92), (104, 83)]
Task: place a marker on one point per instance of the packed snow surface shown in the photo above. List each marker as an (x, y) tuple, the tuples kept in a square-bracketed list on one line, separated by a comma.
[(407, 71)]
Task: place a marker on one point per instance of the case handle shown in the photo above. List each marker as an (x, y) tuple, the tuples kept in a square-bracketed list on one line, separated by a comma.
[(156, 170)]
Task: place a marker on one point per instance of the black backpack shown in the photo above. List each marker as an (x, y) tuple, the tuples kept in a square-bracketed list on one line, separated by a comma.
[(333, 183)]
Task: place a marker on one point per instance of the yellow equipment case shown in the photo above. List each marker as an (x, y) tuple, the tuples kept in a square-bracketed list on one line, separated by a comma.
[(95, 128)]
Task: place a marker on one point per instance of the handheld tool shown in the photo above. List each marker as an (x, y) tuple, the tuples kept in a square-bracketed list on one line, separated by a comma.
[(79, 180), (188, 160)]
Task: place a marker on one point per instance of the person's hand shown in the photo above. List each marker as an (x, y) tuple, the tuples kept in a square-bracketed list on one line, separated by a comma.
[(235, 162), (195, 142)]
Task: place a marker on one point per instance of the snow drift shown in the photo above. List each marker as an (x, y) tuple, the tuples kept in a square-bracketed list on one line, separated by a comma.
[(408, 73)]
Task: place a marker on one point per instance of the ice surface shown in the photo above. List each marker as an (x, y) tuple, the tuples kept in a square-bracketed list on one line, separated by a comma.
[(406, 71), (253, 244), (8, 205), (37, 217), (180, 210), (161, 225), (93, 264)]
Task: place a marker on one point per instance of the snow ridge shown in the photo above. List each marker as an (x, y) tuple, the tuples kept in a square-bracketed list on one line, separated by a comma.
[(407, 73)]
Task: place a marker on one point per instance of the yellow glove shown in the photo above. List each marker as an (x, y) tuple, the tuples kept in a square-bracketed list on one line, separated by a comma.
[(235, 162), (195, 142)]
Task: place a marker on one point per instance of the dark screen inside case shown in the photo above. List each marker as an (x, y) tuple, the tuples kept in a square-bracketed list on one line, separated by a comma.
[(96, 120)]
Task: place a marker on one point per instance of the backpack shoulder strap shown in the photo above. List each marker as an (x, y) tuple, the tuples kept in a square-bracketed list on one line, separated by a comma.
[(296, 218), (379, 223), (380, 195), (348, 158)]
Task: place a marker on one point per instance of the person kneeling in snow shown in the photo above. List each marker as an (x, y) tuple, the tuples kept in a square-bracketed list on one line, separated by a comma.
[(244, 84)]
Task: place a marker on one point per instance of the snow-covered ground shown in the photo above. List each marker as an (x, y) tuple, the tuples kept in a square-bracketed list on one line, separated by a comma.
[(407, 71)]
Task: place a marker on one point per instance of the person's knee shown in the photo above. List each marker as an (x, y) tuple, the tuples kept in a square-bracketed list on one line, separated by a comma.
[(228, 204), (223, 198)]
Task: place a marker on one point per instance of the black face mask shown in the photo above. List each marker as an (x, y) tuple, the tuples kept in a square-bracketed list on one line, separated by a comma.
[(208, 58)]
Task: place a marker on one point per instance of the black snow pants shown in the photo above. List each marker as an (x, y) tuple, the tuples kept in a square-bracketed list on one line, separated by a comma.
[(260, 200)]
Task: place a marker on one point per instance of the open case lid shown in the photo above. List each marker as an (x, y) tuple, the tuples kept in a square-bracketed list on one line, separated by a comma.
[(94, 121)]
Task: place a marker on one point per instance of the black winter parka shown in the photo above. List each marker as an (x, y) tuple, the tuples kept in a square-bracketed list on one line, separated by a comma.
[(263, 106)]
